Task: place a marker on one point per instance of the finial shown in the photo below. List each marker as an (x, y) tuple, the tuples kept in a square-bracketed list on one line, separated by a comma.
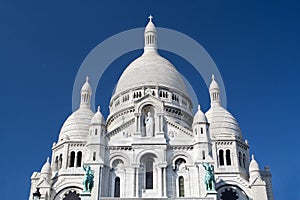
[(87, 78), (212, 77), (252, 156), (98, 109), (199, 107), (48, 159), (150, 18)]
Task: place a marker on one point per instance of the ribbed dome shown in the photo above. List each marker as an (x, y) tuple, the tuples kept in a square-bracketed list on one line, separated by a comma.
[(151, 70), (98, 118), (77, 125), (222, 122), (199, 116)]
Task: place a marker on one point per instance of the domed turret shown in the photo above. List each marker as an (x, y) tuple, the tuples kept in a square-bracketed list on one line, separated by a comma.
[(202, 144), (98, 118), (46, 170), (253, 169), (253, 165), (77, 124), (221, 121), (199, 116)]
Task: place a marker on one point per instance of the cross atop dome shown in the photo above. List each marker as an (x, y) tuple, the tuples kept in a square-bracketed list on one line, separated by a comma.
[(150, 18)]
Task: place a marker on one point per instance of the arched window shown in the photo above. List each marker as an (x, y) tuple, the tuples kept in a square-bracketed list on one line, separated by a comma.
[(203, 155), (244, 160), (195, 131), (201, 130), (72, 159), (94, 156), (117, 187), (221, 157), (96, 131), (56, 163), (60, 161), (149, 174), (181, 186), (240, 159), (228, 159), (79, 158)]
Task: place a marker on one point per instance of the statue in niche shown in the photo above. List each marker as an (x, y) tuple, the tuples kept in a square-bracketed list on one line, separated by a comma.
[(209, 178), (88, 180), (149, 121)]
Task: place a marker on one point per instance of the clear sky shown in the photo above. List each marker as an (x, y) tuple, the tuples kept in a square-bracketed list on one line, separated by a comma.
[(255, 45)]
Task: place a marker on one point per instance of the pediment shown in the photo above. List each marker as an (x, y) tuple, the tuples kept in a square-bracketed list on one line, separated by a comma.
[(43, 184)]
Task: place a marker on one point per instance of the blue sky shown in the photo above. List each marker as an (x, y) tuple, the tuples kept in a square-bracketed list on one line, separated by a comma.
[(255, 45)]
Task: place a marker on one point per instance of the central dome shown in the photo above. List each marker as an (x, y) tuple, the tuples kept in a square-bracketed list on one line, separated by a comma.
[(151, 70)]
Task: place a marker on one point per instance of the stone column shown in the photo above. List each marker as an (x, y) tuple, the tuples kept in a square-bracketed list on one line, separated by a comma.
[(135, 187), (159, 123), (198, 179), (164, 181), (100, 182)]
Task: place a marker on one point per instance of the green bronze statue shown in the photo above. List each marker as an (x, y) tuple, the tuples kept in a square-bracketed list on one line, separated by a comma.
[(88, 180), (209, 178)]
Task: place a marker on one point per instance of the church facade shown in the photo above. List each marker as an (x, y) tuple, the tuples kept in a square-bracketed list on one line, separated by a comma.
[(151, 145)]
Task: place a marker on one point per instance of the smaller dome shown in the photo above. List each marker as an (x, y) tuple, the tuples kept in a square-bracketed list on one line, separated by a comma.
[(253, 165), (213, 85), (199, 116), (222, 122), (76, 127), (98, 118), (46, 169), (86, 86)]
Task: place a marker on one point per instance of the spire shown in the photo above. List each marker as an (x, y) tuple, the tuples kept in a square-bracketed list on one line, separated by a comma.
[(86, 93), (150, 36), (214, 92)]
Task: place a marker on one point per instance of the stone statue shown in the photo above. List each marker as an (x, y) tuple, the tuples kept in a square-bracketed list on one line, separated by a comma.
[(149, 125), (209, 178), (88, 180)]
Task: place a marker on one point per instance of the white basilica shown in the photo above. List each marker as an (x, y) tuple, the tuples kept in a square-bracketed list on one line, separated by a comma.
[(151, 145)]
